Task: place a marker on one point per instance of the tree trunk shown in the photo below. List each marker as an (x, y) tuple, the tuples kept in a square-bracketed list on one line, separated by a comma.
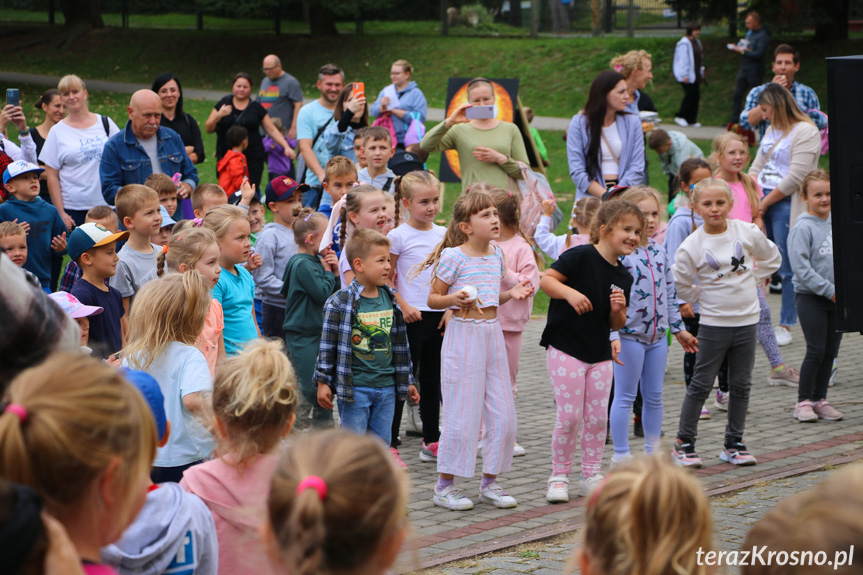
[(82, 14), (322, 22), (836, 27)]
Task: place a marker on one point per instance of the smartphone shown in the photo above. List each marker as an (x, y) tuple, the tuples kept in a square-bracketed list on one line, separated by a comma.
[(479, 113), (359, 90), (13, 97)]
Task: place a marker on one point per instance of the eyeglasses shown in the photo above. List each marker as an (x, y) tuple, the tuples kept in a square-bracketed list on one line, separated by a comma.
[(265, 70)]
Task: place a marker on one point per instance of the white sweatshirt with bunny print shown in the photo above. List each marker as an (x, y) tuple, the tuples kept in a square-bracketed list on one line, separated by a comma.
[(720, 272)]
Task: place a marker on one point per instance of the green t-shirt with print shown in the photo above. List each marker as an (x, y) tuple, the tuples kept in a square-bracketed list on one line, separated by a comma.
[(371, 344)]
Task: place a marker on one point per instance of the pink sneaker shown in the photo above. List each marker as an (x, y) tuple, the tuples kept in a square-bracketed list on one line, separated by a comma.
[(395, 453), (429, 452), (804, 413), (827, 412)]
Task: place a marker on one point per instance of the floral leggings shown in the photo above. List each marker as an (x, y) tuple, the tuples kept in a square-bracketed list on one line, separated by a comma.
[(581, 393)]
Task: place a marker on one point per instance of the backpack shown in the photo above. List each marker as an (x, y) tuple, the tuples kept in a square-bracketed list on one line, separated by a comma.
[(825, 133), (416, 130), (387, 122)]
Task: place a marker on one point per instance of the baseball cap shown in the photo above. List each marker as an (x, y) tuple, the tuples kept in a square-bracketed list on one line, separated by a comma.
[(282, 188), (167, 220), (149, 388), (91, 235), (74, 308), (17, 168)]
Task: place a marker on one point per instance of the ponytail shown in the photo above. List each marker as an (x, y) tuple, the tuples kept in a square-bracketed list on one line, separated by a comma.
[(397, 186), (160, 263)]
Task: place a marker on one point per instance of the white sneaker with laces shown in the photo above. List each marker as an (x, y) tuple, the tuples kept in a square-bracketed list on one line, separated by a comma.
[(586, 486), (414, 425), (783, 335), (518, 451), (681, 122), (495, 495), (615, 460), (452, 499), (558, 489)]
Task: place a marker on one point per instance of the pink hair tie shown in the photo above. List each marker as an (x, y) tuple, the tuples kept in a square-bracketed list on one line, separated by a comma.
[(19, 410), (618, 68), (197, 222), (313, 482)]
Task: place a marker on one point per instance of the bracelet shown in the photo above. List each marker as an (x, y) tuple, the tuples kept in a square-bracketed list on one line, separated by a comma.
[(24, 132)]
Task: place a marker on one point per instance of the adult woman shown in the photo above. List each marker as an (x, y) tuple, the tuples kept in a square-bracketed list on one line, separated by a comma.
[(688, 69), (488, 150), (52, 104), (604, 143), (636, 68), (410, 100), (239, 108), (72, 152), (350, 115), (789, 150), (170, 91)]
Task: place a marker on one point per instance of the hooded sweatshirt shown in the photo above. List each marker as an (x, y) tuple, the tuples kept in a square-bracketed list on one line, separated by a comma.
[(411, 99), (679, 228), (237, 498), (173, 534), (810, 250)]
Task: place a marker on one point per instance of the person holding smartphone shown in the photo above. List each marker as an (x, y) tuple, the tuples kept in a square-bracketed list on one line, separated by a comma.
[(12, 112), (489, 149)]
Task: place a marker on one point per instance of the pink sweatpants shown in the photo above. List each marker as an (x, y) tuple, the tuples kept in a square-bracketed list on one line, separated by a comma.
[(475, 391), (513, 352), (581, 393)]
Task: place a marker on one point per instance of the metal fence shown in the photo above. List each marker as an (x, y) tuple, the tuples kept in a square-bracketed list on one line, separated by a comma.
[(601, 16)]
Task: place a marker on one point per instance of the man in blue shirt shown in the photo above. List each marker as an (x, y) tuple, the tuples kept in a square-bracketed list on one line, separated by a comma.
[(752, 61), (313, 119)]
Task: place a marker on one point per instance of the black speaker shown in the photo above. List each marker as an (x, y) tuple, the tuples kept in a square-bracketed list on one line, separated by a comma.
[(844, 86)]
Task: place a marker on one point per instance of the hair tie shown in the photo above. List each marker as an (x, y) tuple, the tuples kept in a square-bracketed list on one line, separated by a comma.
[(691, 187), (197, 222), (356, 184), (18, 410), (313, 482), (308, 216), (618, 68), (510, 193), (595, 495), (165, 249)]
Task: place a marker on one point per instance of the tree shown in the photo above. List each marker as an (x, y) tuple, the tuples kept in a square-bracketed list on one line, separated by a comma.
[(323, 14), (82, 15)]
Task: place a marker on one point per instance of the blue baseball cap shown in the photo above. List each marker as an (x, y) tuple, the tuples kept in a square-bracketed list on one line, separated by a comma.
[(90, 235), (149, 388), (19, 167), (167, 220)]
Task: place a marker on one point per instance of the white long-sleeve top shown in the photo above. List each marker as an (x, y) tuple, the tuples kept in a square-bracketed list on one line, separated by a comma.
[(26, 152), (719, 272)]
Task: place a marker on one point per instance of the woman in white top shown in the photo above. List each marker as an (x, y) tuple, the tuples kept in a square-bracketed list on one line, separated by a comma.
[(72, 152), (688, 69), (789, 150)]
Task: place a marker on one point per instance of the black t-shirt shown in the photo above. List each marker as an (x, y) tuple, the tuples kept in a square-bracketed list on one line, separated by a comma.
[(585, 337), (106, 336), (187, 127), (645, 102), (250, 118)]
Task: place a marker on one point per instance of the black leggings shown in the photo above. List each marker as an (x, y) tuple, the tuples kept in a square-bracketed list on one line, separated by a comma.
[(691, 324), (818, 321)]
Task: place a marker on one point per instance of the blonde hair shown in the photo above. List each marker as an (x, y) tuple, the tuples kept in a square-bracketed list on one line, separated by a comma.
[(362, 242), (353, 204), (628, 63), (11, 229), (254, 397), (221, 218), (405, 66), (710, 184), (637, 194), (720, 145), (169, 309), (70, 82), (583, 213), (364, 504), (405, 187), (470, 203), (184, 226), (81, 416), (648, 517), (307, 222), (816, 175), (786, 112), (131, 198), (185, 247), (508, 206), (203, 191), (481, 187), (609, 214), (100, 213), (162, 183), (338, 166)]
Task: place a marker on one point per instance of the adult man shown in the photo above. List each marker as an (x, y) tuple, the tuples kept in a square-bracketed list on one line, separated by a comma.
[(313, 119), (145, 148), (752, 63), (280, 94), (786, 64)]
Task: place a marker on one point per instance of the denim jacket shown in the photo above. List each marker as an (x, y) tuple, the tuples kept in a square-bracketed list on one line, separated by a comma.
[(631, 168), (124, 161)]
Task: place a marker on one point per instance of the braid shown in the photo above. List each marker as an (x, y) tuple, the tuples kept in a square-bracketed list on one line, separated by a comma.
[(397, 186), (344, 231), (305, 526), (160, 263), (692, 214)]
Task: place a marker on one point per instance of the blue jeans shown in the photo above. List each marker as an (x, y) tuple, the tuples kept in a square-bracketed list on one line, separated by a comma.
[(371, 411), (777, 220)]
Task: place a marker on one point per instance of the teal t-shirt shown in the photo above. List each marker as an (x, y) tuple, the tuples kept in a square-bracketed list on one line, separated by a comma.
[(372, 364), (236, 293)]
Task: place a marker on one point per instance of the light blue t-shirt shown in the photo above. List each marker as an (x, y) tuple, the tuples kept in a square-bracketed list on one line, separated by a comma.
[(180, 370), (314, 116), (236, 293)]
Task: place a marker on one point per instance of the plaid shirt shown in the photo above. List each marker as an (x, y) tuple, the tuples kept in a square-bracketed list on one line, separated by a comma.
[(803, 95), (335, 355), (71, 276)]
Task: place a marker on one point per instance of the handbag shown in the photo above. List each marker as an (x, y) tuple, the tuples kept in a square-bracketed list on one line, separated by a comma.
[(387, 122), (416, 130)]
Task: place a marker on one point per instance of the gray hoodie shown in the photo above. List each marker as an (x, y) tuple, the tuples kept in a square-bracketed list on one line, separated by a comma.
[(275, 245), (810, 249), (174, 533)]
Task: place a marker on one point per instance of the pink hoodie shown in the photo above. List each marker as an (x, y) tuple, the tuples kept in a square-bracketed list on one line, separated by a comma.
[(237, 499), (520, 266)]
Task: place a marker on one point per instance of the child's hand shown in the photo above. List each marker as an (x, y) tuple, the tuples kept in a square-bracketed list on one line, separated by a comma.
[(58, 244), (247, 192), (618, 301), (413, 394), (522, 290), (411, 313), (687, 340), (24, 225), (444, 321), (686, 310), (579, 302), (330, 260), (325, 396), (615, 350), (548, 208), (462, 300), (114, 360), (254, 262)]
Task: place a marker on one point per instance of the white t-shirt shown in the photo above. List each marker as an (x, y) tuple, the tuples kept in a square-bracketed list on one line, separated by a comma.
[(779, 163), (609, 164), (180, 370), (413, 246), (76, 154), (344, 266)]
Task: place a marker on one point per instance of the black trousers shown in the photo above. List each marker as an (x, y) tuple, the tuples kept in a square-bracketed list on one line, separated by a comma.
[(747, 78), (691, 324), (818, 320), (689, 106)]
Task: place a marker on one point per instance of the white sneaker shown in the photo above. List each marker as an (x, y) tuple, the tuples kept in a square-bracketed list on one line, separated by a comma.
[(558, 489), (452, 499), (414, 425), (696, 125), (586, 486), (615, 460), (783, 335), (518, 451), (681, 122), (495, 495)]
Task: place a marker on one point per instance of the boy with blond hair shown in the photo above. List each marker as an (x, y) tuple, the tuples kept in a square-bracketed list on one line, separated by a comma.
[(167, 190), (377, 150), (138, 210), (340, 175), (13, 241), (206, 197), (105, 217)]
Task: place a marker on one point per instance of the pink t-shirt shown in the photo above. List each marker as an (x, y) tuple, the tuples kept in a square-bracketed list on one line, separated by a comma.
[(457, 269), (741, 210), (575, 240), (208, 340), (520, 267)]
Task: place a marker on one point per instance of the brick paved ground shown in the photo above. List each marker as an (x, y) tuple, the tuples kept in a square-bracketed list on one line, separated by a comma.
[(779, 442)]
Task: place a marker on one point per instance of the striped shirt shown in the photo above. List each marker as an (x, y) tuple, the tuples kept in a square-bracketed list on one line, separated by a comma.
[(485, 273)]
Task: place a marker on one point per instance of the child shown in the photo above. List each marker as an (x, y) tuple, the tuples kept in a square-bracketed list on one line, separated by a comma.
[(205, 197), (719, 267), (474, 384), (673, 149), (254, 398), (377, 151), (523, 264), (163, 326), (810, 247), (256, 219), (94, 249), (47, 230), (277, 163), (390, 209), (162, 237), (340, 175), (364, 208), (648, 517), (106, 217), (589, 291), (359, 137), (578, 233), (275, 246), (350, 114), (196, 249), (79, 312), (13, 241), (364, 356), (411, 243), (236, 288), (354, 497), (640, 346), (537, 139), (73, 412), (167, 190), (174, 532), (233, 168), (308, 282), (138, 210)]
